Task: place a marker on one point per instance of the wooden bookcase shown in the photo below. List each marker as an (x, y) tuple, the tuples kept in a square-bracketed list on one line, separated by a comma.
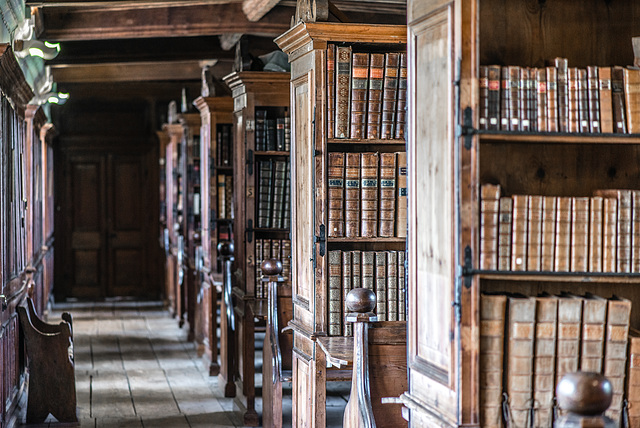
[(251, 91), (450, 159), (215, 113), (306, 44)]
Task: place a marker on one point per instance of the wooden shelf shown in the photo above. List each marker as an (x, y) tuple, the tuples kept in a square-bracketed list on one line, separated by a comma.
[(374, 239), (555, 137), (271, 153), (376, 141), (224, 168), (594, 277)]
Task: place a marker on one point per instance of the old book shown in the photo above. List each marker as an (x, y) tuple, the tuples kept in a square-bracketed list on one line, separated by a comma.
[(347, 285), (489, 214), (356, 269), (271, 135), (593, 94), (514, 98), (541, 99), (505, 98), (596, 209), (617, 100), (381, 285), (579, 234), (609, 234), (532, 104), (552, 99), (401, 194), (569, 327), (631, 79), (374, 97), (573, 83), (335, 176), (222, 200), (483, 101), (523, 98), (534, 233), (280, 134), (286, 211), (369, 194), (547, 247), (492, 316), (287, 130), (562, 66), (623, 228), (343, 91), (520, 356), (279, 179), (259, 258), (505, 228), (519, 233), (615, 357), (402, 287), (335, 291), (392, 286), (594, 317), (563, 235), (401, 105), (286, 259), (260, 130), (389, 94), (606, 104), (229, 197), (633, 378), (265, 193), (635, 231), (352, 195), (494, 97), (359, 83), (387, 221), (331, 89), (544, 359), (583, 101), (368, 270)]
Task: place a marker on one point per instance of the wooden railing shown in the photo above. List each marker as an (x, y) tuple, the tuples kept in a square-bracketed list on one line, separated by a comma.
[(227, 322)]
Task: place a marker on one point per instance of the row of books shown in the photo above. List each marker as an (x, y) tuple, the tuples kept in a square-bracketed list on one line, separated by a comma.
[(380, 271), (528, 343), (367, 194), (560, 98), (279, 249), (272, 133), (225, 196), (600, 233), (274, 194), (224, 138), (366, 94)]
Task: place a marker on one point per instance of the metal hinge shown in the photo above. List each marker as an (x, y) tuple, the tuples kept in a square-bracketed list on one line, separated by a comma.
[(467, 267), (249, 230), (250, 162), (466, 129), (321, 239)]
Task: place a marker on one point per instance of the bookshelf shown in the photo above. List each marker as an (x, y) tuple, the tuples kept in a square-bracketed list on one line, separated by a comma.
[(325, 229), (259, 98), (216, 121), (451, 159)]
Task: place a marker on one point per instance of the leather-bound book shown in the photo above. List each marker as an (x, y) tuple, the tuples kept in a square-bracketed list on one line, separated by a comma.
[(279, 181), (359, 83), (335, 175), (271, 136), (483, 102), (389, 94), (222, 200), (505, 230), (617, 99), (493, 120), (228, 197), (392, 286), (520, 356), (492, 316), (258, 256), (523, 97), (583, 101), (261, 130), (369, 194), (609, 234), (401, 201), (541, 99), (381, 285), (265, 193), (623, 227), (573, 83), (519, 233), (287, 130), (286, 213), (368, 270), (331, 89), (352, 195), (347, 285), (615, 353), (374, 98), (534, 233), (594, 318), (633, 378), (505, 98), (631, 78), (343, 91), (335, 291), (532, 105), (563, 235), (596, 213), (562, 66), (547, 248), (569, 327), (356, 269), (579, 234), (514, 98), (286, 259), (635, 231), (606, 103), (489, 214), (594, 98), (544, 359), (401, 105), (552, 99), (387, 223), (402, 287), (280, 134)]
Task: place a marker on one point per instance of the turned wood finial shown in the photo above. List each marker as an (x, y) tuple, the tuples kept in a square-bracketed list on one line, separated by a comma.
[(271, 267), (225, 248), (584, 393), (361, 300)]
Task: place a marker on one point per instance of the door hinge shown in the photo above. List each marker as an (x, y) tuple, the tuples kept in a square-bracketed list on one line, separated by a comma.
[(321, 239), (250, 162), (466, 129), (249, 230), (467, 267)]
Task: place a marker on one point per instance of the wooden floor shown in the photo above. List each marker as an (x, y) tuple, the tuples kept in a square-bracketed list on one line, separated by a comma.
[(134, 368)]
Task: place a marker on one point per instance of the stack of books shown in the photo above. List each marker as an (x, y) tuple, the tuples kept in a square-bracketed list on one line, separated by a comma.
[(274, 194), (225, 196), (224, 145), (279, 249), (272, 133)]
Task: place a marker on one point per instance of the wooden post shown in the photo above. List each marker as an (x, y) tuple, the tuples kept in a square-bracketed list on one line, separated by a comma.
[(584, 396), (358, 413), (227, 322)]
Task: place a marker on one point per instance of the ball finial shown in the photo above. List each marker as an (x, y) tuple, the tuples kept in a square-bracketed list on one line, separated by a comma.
[(361, 300), (225, 248), (584, 393), (271, 267)]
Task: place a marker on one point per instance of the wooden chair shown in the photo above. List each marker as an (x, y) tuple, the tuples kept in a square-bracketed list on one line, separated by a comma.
[(52, 387)]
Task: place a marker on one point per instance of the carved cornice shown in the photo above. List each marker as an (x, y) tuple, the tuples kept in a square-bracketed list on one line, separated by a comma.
[(12, 81)]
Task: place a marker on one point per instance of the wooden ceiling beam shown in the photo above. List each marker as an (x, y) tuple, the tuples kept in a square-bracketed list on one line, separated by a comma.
[(254, 10)]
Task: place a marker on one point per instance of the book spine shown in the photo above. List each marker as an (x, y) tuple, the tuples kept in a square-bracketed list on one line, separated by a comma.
[(563, 235), (534, 233), (541, 99), (347, 285), (331, 89), (335, 288), (631, 77), (519, 234), (569, 326), (368, 270), (523, 98), (392, 286), (401, 105), (562, 66), (264, 193), (259, 259), (356, 269), (278, 193), (401, 201), (635, 231), (579, 234), (552, 99), (547, 250), (387, 198), (286, 205), (286, 259), (609, 234), (343, 91), (594, 317), (287, 130), (335, 175), (544, 358), (514, 98), (533, 99), (222, 202), (483, 103), (389, 94), (494, 97), (625, 206), (260, 129), (369, 194), (352, 195), (633, 378), (489, 218), (374, 99), (402, 287), (270, 138), (595, 233), (505, 98), (606, 103), (617, 99), (594, 98), (280, 134), (573, 90), (505, 227), (615, 359), (359, 81), (381, 285), (583, 101)]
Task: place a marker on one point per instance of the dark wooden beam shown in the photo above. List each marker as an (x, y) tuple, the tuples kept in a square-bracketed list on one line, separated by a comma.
[(256, 9)]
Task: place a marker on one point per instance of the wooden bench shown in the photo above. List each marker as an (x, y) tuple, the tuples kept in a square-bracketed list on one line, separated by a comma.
[(52, 386)]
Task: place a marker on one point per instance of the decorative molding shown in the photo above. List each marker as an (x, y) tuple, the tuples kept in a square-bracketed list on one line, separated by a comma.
[(12, 81)]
